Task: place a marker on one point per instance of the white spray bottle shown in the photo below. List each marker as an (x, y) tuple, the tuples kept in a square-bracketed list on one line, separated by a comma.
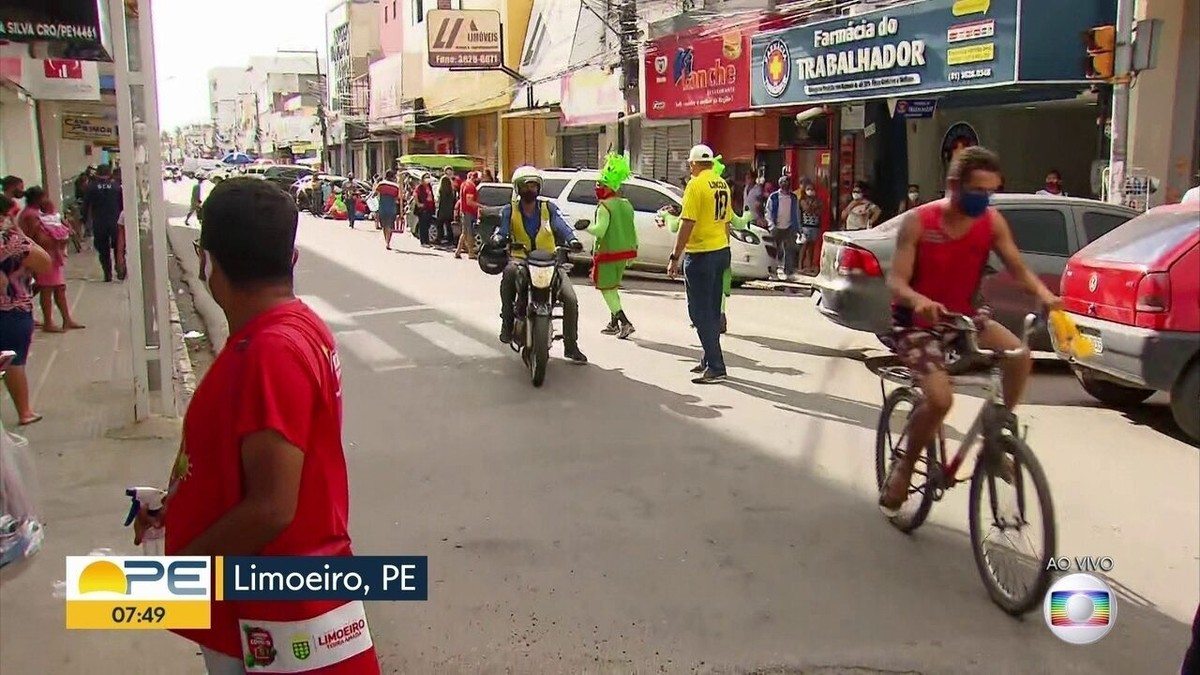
[(150, 499)]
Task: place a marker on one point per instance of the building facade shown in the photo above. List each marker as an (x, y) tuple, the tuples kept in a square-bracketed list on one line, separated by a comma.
[(226, 85), (352, 41)]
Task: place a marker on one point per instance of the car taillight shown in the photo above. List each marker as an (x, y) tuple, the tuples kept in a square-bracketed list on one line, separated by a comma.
[(853, 261), (1154, 293)]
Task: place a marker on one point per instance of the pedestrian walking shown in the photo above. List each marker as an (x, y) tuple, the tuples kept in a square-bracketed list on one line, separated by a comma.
[(350, 199), (20, 259), (469, 208), (425, 208), (194, 204), (446, 196), (235, 488), (103, 205), (387, 191), (702, 250), (811, 209), (783, 220)]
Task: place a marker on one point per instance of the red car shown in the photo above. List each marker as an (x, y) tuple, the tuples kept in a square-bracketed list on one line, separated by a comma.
[(1135, 294)]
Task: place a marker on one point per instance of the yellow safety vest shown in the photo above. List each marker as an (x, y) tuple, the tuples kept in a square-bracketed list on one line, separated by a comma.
[(545, 236)]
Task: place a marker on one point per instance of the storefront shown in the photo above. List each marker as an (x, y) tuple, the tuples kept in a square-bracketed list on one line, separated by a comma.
[(592, 104), (481, 138), (907, 86)]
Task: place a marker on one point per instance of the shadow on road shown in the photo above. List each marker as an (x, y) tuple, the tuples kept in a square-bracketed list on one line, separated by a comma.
[(602, 524), (691, 355), (792, 347)]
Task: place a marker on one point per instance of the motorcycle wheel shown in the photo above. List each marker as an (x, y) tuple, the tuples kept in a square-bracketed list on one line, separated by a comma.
[(539, 348)]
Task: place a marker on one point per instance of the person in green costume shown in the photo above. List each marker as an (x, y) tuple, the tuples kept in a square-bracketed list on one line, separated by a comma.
[(616, 241), (672, 221)]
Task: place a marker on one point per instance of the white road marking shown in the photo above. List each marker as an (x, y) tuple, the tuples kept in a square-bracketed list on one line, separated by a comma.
[(328, 312), (367, 347), (389, 310), (452, 340)]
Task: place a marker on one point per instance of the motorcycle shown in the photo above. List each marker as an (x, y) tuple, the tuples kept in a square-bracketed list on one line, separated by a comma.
[(539, 278)]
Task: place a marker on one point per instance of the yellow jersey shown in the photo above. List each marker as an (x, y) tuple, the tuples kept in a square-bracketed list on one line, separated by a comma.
[(707, 202)]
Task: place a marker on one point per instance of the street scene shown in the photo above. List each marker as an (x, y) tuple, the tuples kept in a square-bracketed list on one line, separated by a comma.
[(655, 327)]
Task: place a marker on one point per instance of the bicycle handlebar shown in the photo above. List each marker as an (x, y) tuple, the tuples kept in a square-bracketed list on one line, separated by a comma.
[(964, 324)]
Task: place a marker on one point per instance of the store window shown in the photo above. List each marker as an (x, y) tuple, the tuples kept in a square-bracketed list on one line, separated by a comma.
[(644, 199), (1040, 231), (1096, 224)]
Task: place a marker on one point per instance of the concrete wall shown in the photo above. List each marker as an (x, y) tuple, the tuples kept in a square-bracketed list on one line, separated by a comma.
[(1166, 100), (1031, 142), (391, 26), (19, 152)]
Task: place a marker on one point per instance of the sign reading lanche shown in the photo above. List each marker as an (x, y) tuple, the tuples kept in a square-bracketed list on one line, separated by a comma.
[(465, 38)]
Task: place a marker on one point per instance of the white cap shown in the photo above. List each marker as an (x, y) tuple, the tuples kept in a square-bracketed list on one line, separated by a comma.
[(700, 153)]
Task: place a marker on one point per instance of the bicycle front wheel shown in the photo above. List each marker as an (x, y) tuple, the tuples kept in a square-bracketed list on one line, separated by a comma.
[(1017, 581), (891, 438)]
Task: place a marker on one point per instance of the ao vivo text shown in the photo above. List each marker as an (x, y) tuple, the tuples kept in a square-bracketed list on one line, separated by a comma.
[(1083, 563)]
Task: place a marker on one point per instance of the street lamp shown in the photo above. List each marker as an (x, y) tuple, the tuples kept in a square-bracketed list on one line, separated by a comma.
[(320, 101)]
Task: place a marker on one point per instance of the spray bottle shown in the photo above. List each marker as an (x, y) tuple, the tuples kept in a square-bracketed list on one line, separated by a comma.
[(150, 499)]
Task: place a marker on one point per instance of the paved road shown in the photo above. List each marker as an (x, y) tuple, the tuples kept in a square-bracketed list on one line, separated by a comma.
[(623, 520)]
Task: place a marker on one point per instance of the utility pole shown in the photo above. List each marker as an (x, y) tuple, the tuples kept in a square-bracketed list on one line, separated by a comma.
[(631, 69), (257, 124), (322, 87), (1123, 73)]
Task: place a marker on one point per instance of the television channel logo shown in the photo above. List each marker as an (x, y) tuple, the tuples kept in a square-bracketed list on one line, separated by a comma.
[(1080, 609), (138, 592)]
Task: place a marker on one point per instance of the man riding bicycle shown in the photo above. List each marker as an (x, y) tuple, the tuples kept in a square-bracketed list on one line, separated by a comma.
[(941, 252), (535, 225)]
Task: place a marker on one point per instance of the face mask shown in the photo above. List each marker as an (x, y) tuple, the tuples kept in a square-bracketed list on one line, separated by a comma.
[(912, 196), (529, 195), (811, 193), (856, 195), (973, 203), (761, 181), (19, 194)]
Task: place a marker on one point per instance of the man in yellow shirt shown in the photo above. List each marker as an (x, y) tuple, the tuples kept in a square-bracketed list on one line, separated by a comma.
[(703, 247)]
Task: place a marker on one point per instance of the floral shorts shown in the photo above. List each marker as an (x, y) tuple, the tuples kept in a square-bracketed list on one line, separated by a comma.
[(923, 351)]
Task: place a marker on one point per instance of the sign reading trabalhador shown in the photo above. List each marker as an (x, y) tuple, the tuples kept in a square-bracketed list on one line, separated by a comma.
[(465, 38)]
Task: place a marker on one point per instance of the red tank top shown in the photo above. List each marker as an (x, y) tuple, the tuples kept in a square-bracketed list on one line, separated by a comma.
[(949, 270)]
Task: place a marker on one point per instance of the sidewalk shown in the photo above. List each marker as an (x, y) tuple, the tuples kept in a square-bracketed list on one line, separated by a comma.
[(88, 451)]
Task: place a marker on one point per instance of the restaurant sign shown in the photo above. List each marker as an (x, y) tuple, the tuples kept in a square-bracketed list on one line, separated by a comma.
[(902, 51), (688, 76)]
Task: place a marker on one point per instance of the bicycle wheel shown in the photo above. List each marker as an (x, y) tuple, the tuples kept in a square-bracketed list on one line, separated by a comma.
[(1009, 462), (887, 449)]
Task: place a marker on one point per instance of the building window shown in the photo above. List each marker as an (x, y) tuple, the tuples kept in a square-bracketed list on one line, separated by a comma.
[(418, 9)]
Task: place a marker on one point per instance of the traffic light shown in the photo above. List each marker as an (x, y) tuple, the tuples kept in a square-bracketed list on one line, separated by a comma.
[(1100, 43)]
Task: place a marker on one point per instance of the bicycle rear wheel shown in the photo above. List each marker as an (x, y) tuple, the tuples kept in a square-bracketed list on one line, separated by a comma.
[(889, 441), (1010, 462)]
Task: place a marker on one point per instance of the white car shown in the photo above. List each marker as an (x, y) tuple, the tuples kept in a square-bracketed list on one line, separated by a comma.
[(574, 191)]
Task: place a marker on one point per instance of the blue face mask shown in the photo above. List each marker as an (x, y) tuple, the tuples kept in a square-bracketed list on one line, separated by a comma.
[(973, 203)]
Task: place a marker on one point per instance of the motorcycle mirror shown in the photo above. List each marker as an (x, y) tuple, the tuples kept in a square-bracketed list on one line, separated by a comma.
[(582, 224)]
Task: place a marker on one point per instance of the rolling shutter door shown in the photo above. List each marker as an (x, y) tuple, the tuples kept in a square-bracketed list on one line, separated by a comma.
[(581, 151), (665, 150), (679, 143)]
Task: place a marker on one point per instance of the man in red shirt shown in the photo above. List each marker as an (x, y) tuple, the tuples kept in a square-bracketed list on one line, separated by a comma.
[(264, 427), (941, 252), (469, 207)]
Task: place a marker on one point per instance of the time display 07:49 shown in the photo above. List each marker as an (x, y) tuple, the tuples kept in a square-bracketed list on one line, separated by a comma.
[(147, 614)]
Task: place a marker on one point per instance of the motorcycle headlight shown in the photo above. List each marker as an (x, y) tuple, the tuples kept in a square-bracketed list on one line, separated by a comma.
[(746, 237), (540, 277)]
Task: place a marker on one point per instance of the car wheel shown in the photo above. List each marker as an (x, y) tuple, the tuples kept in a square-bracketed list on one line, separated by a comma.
[(1185, 401), (1116, 395)]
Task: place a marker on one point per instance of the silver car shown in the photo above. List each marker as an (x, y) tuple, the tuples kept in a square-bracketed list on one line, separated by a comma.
[(852, 290)]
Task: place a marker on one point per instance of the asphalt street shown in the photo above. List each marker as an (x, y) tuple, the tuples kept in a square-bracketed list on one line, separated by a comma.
[(623, 520)]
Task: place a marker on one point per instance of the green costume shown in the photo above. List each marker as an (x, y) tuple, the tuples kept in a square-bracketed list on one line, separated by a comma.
[(736, 222), (616, 241)]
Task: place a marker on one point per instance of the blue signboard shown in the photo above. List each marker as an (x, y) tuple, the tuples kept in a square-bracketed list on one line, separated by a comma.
[(908, 50), (916, 108)]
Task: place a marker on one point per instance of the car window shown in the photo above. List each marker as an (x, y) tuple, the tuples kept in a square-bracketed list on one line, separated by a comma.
[(1097, 224), (1145, 239), (495, 195), (1042, 231), (553, 187), (645, 199), (584, 192)]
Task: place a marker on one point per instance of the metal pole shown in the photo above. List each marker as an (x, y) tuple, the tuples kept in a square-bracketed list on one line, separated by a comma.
[(630, 68), (133, 237), (158, 217), (1122, 71), (257, 124), (321, 112)]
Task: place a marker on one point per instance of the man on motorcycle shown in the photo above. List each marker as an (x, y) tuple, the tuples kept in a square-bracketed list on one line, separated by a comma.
[(535, 225)]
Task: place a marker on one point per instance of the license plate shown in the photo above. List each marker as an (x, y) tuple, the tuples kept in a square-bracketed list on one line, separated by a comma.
[(1093, 338)]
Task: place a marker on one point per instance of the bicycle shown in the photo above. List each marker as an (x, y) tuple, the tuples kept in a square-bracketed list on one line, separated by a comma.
[(1004, 456)]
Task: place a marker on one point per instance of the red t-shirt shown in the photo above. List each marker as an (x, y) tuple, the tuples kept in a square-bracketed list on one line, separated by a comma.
[(280, 372), (468, 188)]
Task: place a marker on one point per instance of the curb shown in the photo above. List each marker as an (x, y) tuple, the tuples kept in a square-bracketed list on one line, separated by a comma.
[(210, 313), (185, 375)]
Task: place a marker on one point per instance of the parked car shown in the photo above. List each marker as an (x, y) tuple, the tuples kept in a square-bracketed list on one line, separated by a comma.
[(852, 284), (1135, 295), (574, 191), (192, 166)]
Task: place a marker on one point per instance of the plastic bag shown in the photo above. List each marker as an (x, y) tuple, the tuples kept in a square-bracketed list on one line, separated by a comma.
[(20, 529), (1067, 337)]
